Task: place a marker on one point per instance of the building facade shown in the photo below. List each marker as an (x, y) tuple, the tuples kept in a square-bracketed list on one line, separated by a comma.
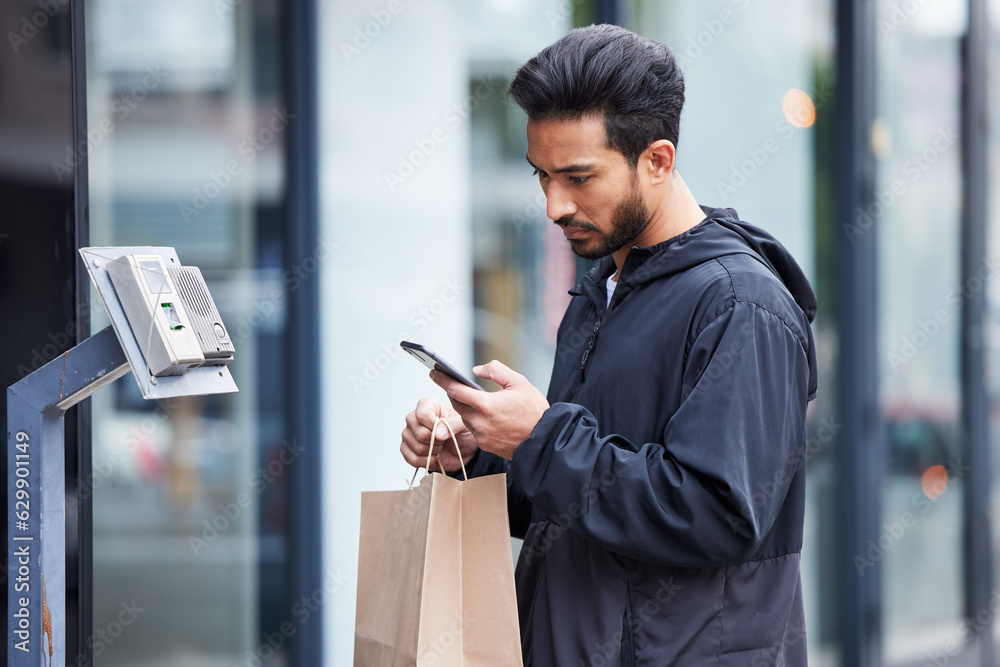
[(349, 175)]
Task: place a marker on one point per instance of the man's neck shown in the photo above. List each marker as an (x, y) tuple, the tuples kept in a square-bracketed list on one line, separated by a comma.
[(671, 218)]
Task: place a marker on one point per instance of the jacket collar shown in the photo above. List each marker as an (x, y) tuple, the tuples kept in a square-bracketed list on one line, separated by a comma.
[(594, 283)]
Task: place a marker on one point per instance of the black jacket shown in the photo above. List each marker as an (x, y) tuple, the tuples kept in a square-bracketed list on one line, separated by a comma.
[(661, 496)]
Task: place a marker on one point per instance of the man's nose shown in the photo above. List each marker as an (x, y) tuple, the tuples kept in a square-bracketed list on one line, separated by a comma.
[(558, 203)]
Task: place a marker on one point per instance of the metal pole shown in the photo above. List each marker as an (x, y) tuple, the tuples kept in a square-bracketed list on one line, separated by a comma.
[(77, 646), (608, 11), (861, 448), (36, 483), (303, 337), (975, 270)]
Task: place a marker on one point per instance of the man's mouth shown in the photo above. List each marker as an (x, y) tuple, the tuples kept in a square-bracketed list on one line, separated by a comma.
[(572, 232)]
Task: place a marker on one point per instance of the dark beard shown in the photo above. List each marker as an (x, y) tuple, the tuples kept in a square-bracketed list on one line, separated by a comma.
[(627, 222)]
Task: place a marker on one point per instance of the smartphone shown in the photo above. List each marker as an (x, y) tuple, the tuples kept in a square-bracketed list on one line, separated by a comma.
[(428, 358)]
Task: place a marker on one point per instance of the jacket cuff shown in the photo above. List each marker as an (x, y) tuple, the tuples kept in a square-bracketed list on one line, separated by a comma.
[(543, 439)]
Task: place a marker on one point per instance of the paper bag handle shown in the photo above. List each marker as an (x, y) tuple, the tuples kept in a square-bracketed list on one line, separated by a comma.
[(427, 469)]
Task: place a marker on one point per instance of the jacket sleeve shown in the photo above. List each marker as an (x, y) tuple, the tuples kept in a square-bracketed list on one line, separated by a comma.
[(518, 505), (709, 492)]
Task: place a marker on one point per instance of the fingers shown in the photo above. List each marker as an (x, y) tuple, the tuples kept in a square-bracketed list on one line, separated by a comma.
[(428, 410), (504, 376), (416, 436), (412, 457), (497, 372), (460, 394), (415, 449), (422, 418)]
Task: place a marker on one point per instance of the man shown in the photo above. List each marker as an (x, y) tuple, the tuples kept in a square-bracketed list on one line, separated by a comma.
[(660, 487)]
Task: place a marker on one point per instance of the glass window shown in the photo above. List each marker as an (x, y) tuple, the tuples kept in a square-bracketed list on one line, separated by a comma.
[(439, 225), (992, 324), (916, 214), (185, 148)]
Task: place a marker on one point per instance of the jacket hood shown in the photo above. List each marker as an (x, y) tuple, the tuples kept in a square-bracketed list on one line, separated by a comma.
[(720, 233)]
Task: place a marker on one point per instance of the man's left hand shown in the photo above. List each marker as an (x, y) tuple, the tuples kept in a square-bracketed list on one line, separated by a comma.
[(500, 420)]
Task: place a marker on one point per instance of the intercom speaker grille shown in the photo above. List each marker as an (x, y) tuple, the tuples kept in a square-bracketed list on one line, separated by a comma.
[(216, 344), (191, 287)]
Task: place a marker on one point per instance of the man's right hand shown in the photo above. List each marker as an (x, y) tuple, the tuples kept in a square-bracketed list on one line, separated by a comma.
[(417, 436)]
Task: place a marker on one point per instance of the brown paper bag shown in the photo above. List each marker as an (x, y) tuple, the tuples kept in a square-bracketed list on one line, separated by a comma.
[(436, 576)]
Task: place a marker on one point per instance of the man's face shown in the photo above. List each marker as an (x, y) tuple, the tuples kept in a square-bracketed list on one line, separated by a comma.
[(591, 191)]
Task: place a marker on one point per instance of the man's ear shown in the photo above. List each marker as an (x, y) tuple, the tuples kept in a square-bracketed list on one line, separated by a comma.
[(659, 158)]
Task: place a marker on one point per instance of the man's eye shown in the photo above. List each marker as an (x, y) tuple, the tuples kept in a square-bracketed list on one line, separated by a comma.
[(541, 174), (579, 180)]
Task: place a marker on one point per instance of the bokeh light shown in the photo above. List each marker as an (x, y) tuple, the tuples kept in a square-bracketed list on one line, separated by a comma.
[(798, 108), (934, 481)]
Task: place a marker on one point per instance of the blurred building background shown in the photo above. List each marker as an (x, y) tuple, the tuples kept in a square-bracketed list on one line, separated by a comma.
[(348, 175)]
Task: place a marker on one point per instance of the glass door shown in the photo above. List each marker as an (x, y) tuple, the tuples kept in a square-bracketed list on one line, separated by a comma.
[(917, 216), (185, 143)]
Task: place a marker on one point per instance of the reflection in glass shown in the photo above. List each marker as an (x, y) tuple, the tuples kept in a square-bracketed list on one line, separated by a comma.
[(186, 150), (916, 214), (992, 333)]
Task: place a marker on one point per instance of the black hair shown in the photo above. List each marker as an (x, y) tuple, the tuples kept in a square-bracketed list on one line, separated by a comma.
[(633, 82)]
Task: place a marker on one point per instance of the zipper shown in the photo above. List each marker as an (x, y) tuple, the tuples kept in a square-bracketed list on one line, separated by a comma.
[(628, 658), (590, 347), (597, 327)]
